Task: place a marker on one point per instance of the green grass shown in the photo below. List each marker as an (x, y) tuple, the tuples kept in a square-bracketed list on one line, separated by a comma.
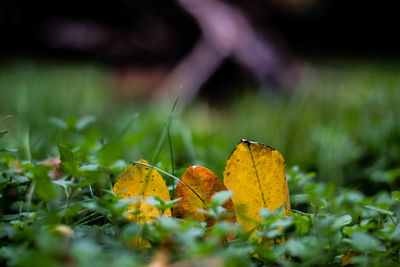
[(342, 122)]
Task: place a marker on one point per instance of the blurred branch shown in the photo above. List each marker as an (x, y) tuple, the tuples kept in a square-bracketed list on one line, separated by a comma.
[(226, 33)]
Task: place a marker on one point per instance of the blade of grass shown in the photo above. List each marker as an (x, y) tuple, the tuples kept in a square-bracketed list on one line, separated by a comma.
[(166, 128), (94, 219), (79, 222), (172, 163), (30, 195), (160, 143), (27, 145), (172, 176)]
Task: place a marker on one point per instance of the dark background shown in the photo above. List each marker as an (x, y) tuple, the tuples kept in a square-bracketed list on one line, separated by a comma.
[(154, 32)]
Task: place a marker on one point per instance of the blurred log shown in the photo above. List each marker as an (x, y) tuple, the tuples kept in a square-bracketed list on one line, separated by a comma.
[(227, 33)]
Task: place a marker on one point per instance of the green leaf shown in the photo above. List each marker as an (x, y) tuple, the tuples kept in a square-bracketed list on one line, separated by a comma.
[(59, 123), (82, 123), (296, 248), (8, 158), (71, 211), (382, 211), (364, 242), (299, 198), (221, 197), (319, 203), (161, 204), (110, 153), (63, 183), (40, 170), (396, 195), (89, 168), (265, 213), (342, 221), (3, 132), (44, 189), (396, 234), (69, 162)]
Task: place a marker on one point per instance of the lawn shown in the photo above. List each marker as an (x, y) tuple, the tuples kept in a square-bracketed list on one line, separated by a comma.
[(339, 132)]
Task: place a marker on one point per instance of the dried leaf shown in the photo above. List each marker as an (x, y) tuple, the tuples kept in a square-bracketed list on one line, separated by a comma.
[(347, 258), (206, 184), (256, 175), (142, 182), (55, 163), (160, 259)]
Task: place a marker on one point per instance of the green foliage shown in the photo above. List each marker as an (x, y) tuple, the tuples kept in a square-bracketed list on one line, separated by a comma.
[(77, 219), (3, 132), (69, 163), (396, 195), (348, 204)]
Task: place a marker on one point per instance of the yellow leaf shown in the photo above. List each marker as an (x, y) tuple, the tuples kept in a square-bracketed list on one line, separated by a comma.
[(256, 175), (142, 182), (205, 183)]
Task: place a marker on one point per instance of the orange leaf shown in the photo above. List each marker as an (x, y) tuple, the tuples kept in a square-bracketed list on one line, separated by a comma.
[(347, 258), (56, 164), (206, 184)]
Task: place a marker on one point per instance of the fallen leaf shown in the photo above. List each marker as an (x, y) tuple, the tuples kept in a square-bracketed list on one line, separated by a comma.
[(256, 175), (138, 181), (160, 259), (213, 261), (205, 183), (55, 163), (347, 257)]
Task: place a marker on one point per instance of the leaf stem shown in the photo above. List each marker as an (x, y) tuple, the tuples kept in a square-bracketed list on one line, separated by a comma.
[(172, 176), (29, 196)]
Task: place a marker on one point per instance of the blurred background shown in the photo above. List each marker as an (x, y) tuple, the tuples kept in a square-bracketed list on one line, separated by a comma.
[(317, 80)]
